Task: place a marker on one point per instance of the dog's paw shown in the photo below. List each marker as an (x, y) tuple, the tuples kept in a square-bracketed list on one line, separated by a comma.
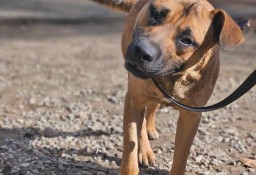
[(147, 157), (153, 134)]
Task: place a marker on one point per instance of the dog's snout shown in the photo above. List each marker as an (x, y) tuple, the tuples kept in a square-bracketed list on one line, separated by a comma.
[(147, 51), (144, 58), (143, 53)]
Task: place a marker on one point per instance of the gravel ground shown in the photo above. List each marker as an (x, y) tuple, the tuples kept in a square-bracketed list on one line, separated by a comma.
[(62, 90)]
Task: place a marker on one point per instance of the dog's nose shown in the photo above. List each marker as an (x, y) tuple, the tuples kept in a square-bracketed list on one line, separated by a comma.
[(147, 51)]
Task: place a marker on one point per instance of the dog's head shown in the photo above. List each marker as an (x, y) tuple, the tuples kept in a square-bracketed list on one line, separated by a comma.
[(167, 33)]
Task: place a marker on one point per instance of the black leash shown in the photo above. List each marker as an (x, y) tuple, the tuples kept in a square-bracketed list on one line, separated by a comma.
[(240, 91)]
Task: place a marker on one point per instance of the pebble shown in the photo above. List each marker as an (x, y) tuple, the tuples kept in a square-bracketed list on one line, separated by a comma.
[(220, 138), (32, 101), (25, 165), (50, 132), (35, 171), (199, 158), (61, 167), (253, 135), (15, 169), (159, 151)]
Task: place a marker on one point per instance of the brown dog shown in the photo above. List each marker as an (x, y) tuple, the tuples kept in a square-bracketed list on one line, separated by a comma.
[(177, 42)]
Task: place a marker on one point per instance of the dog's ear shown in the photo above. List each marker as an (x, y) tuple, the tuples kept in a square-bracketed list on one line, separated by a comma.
[(226, 30)]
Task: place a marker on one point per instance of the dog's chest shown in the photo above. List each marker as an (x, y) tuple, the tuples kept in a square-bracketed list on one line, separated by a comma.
[(184, 85), (180, 86)]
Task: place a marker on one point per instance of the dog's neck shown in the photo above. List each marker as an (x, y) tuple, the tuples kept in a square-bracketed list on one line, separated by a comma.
[(180, 84)]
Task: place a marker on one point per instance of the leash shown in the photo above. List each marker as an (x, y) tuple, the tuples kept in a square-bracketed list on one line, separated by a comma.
[(240, 91)]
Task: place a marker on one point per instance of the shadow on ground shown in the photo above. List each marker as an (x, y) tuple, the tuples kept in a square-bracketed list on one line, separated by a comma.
[(58, 160)]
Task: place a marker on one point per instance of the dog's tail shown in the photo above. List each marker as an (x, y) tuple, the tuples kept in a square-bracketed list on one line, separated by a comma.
[(120, 5)]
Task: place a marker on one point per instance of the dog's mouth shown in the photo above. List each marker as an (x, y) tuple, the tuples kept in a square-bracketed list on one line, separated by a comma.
[(140, 72), (135, 70)]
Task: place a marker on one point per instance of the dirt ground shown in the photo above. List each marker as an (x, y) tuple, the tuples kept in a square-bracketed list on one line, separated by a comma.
[(62, 87)]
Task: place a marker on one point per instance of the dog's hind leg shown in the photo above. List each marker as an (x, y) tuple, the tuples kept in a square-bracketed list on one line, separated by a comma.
[(150, 117)]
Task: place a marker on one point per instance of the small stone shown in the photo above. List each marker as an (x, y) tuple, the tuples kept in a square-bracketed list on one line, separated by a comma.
[(25, 164), (100, 173), (215, 162), (253, 135), (220, 138), (112, 99), (61, 167), (15, 169), (245, 173), (35, 171), (199, 158), (251, 170), (231, 131), (159, 151), (32, 101), (50, 132)]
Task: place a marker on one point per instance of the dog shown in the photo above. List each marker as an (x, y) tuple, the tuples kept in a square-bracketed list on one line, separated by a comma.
[(176, 42)]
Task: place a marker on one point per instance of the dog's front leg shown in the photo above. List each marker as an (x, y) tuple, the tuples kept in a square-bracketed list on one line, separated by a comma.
[(187, 126), (132, 124)]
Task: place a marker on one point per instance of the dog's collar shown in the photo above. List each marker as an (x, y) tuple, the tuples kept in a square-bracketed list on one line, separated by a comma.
[(240, 91)]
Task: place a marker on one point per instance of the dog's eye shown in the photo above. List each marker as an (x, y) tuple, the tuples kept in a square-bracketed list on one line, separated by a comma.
[(188, 41), (154, 14), (157, 16)]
